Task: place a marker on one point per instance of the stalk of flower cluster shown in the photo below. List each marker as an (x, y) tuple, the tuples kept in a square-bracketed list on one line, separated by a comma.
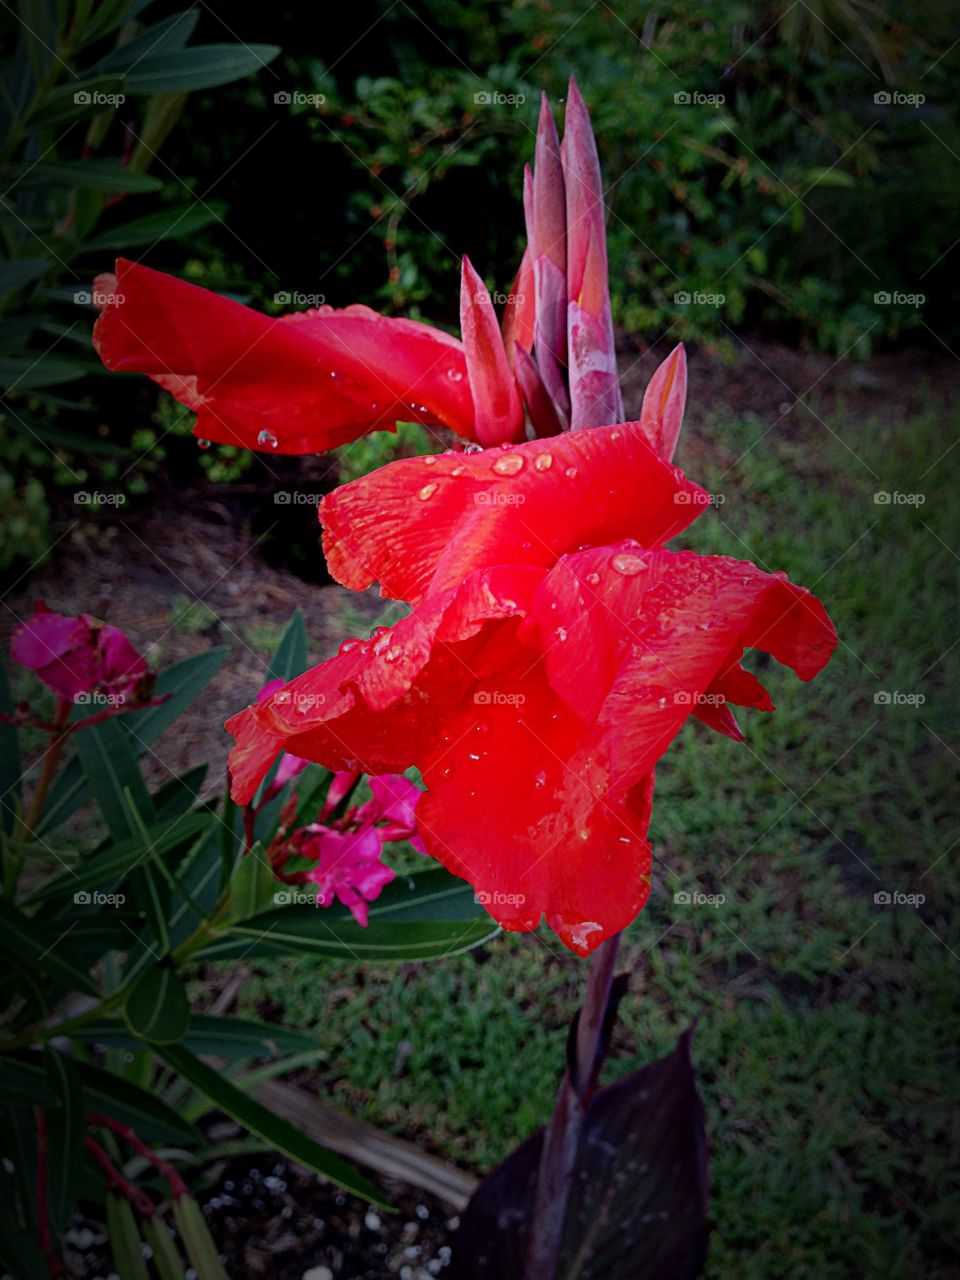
[(561, 1141)]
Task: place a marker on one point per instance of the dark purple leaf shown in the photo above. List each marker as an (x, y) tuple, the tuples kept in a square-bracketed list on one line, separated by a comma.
[(637, 1208)]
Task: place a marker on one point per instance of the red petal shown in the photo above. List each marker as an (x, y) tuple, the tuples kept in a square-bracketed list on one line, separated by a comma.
[(633, 639), (661, 416), (310, 381), (540, 407), (424, 523), (519, 315), (498, 414)]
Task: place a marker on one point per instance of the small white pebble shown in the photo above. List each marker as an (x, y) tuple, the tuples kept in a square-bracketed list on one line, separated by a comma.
[(372, 1221), (318, 1273)]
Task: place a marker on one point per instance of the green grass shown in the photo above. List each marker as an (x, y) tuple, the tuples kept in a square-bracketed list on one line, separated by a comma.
[(827, 1024)]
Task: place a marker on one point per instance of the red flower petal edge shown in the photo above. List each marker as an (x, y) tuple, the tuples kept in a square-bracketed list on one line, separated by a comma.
[(536, 703), (300, 383)]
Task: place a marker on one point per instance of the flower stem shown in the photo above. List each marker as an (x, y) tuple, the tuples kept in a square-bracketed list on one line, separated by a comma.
[(562, 1138)]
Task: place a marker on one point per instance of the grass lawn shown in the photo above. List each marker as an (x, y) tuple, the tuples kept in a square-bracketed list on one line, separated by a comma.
[(827, 1022)]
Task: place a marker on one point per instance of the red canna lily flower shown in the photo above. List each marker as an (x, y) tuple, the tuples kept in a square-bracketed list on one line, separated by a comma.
[(554, 651)]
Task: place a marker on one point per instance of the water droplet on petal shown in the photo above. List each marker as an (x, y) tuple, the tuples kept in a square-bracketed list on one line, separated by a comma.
[(203, 444), (544, 462), (455, 375), (571, 473), (593, 578), (474, 448), (473, 756), (429, 460), (427, 491), (540, 779), (508, 465), (458, 471), (282, 697), (627, 564), (561, 633), (392, 654), (268, 438), (348, 646)]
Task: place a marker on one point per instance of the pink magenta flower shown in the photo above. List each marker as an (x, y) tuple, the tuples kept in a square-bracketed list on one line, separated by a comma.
[(77, 656), (347, 851)]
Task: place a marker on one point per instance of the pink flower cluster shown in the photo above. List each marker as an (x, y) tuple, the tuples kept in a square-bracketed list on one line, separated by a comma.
[(80, 656)]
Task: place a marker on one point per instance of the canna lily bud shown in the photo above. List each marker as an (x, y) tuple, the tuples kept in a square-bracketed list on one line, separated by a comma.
[(498, 413), (661, 416)]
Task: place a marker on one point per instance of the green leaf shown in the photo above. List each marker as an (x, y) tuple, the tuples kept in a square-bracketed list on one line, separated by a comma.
[(66, 1129), (181, 222), (203, 67), (213, 1036), (171, 34), (144, 1112), (125, 1242), (166, 1259), (9, 757), (24, 373), (290, 658), (19, 1252), (279, 1133), (111, 864), (157, 1008), (99, 175), (23, 1082), (28, 943), (76, 100), (20, 271), (197, 1240), (59, 437), (252, 885), (111, 772)]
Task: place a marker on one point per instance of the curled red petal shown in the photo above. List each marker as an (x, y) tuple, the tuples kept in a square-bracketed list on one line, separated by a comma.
[(661, 416), (540, 407), (300, 383), (519, 314), (498, 414), (421, 524)]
